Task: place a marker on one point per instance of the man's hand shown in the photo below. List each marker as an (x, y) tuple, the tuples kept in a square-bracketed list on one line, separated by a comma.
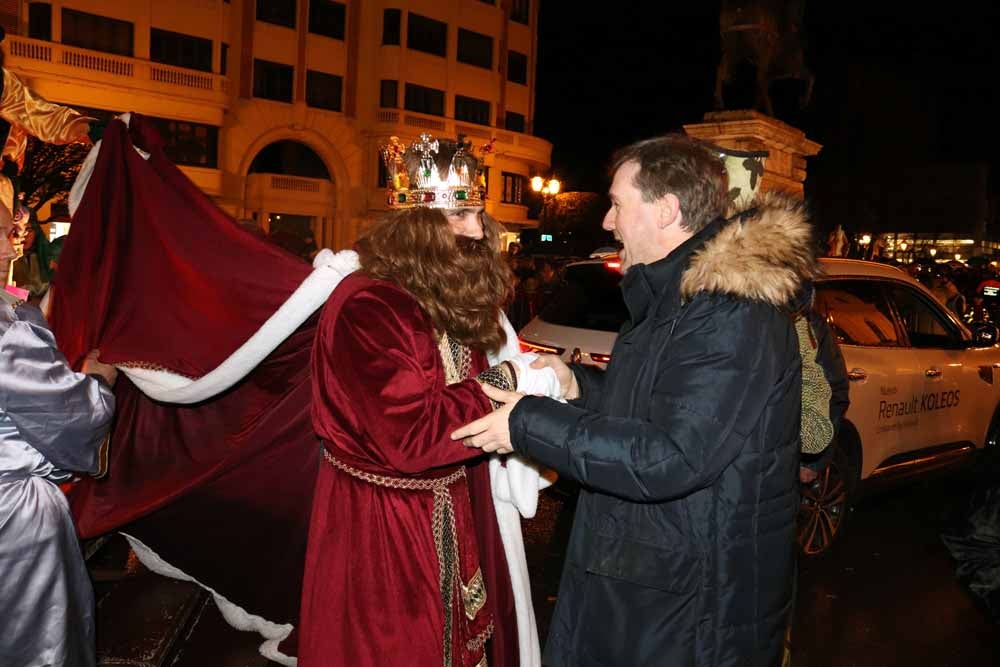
[(91, 366), (80, 130), (567, 379), (492, 432)]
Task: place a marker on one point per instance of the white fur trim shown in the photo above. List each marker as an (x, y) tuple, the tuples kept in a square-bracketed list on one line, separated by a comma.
[(168, 387), (235, 615)]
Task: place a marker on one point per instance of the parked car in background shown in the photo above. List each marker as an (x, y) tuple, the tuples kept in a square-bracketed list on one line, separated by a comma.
[(925, 389), (581, 320)]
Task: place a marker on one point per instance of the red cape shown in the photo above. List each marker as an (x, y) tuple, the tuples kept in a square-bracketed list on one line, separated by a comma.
[(154, 273)]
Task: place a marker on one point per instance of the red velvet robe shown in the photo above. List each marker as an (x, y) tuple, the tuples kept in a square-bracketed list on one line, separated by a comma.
[(371, 594)]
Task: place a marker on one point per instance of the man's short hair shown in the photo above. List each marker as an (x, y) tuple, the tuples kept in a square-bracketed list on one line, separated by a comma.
[(683, 166)]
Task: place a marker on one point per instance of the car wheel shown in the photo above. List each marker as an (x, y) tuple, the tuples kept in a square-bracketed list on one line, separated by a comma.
[(826, 502)]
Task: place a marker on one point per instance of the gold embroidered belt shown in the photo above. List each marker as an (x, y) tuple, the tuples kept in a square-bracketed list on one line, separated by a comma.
[(473, 594)]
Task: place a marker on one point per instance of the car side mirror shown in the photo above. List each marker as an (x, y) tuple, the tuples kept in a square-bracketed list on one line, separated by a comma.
[(984, 334)]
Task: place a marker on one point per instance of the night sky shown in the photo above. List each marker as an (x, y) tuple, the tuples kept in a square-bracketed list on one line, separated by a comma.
[(904, 103)]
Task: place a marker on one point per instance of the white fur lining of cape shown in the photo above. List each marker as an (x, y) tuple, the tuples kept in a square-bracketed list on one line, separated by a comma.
[(515, 481)]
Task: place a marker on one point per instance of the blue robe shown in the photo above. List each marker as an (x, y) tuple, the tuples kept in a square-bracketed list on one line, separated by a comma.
[(53, 423)]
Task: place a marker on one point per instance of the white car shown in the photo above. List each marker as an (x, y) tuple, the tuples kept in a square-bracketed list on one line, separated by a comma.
[(925, 390)]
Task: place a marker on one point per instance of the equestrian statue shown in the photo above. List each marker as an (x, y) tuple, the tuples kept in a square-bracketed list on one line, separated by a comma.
[(767, 35)]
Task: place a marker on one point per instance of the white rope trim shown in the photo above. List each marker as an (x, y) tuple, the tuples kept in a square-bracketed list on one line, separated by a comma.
[(235, 615)]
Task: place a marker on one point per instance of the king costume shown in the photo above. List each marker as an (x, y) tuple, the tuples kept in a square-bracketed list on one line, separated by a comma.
[(404, 537), (52, 423), (214, 457)]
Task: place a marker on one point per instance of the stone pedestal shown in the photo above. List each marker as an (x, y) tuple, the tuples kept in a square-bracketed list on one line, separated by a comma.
[(787, 147)]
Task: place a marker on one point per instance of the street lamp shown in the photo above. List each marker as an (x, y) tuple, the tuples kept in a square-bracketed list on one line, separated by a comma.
[(932, 251), (903, 246), (549, 187), (865, 240)]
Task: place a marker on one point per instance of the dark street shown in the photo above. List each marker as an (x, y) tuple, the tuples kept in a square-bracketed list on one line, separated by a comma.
[(886, 595)]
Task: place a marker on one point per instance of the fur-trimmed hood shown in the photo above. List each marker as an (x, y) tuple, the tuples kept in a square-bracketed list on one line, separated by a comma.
[(765, 254)]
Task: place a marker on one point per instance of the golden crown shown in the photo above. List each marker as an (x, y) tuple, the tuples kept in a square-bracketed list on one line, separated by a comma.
[(435, 173)]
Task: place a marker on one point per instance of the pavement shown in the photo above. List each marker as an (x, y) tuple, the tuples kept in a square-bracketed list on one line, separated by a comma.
[(885, 595)]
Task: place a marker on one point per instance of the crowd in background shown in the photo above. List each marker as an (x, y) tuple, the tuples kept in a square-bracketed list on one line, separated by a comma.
[(535, 281), (969, 290)]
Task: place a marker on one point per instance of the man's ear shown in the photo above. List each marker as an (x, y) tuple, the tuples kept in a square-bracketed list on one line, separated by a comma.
[(670, 210)]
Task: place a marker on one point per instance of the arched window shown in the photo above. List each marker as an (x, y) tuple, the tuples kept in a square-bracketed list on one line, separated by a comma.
[(289, 158)]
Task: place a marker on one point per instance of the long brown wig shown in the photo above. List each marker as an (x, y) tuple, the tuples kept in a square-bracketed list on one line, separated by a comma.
[(462, 283)]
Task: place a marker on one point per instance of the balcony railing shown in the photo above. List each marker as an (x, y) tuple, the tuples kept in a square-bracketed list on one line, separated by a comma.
[(295, 184), (452, 127), (29, 53), (424, 122)]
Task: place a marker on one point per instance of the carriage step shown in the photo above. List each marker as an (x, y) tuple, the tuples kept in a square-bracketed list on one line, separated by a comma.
[(143, 618)]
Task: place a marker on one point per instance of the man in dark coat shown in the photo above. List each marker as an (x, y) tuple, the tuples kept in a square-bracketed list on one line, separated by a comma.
[(687, 448)]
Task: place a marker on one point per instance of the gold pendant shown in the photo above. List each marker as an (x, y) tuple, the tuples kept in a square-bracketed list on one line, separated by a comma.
[(474, 595)]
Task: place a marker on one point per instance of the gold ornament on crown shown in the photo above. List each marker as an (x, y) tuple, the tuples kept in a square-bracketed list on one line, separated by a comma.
[(434, 173)]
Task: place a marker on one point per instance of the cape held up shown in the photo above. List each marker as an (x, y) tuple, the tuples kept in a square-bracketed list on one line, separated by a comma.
[(213, 455)]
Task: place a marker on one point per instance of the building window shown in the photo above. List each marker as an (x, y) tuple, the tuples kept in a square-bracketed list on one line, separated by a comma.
[(174, 48), (278, 12), (40, 21), (327, 18), (272, 81), (290, 158), (224, 59), (475, 49), (191, 144), (424, 100), (513, 188), (514, 121), (388, 97), (517, 67), (427, 35), (520, 11), (390, 27), (323, 90), (98, 33), (472, 110)]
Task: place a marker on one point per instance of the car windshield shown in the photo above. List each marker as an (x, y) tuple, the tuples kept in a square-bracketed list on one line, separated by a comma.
[(588, 298)]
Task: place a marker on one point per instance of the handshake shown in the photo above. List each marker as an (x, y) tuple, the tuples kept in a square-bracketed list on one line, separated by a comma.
[(544, 374)]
